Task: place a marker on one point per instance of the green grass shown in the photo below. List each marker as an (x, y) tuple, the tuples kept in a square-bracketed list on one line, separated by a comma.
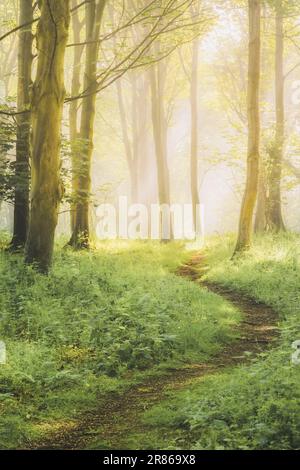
[(255, 406), (99, 322)]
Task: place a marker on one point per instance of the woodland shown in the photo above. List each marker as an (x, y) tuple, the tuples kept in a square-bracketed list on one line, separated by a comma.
[(150, 224)]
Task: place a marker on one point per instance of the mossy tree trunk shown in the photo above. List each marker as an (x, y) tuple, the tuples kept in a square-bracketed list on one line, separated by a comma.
[(47, 106), (250, 195), (22, 172), (81, 231)]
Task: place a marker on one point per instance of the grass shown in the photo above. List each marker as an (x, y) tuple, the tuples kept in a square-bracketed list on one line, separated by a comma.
[(99, 322), (255, 406)]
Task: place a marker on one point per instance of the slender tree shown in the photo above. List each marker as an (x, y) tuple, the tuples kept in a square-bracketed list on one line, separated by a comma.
[(135, 142), (81, 230), (250, 195), (194, 135), (22, 172), (160, 134), (8, 52), (47, 107), (170, 17), (135, 138), (260, 222), (274, 211), (130, 144), (77, 25)]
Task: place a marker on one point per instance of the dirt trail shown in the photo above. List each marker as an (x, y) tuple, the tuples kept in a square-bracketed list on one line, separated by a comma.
[(119, 417)]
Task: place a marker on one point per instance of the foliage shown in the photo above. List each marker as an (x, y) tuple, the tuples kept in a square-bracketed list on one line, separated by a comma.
[(7, 140), (97, 316), (255, 406)]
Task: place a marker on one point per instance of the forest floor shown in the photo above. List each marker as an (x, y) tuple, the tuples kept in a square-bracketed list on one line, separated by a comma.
[(143, 345), (119, 424)]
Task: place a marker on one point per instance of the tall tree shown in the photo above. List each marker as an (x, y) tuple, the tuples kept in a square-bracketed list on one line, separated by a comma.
[(194, 136), (81, 230), (8, 52), (135, 142), (260, 221), (170, 17), (77, 25), (47, 106), (160, 134), (254, 66), (274, 211), (130, 145), (22, 172)]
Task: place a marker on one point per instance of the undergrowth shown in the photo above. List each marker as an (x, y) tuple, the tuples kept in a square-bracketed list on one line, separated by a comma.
[(254, 406), (97, 323)]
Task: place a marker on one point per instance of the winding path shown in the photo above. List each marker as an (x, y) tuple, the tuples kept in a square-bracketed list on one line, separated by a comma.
[(119, 418)]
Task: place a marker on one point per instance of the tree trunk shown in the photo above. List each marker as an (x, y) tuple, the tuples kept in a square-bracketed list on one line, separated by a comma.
[(81, 233), (126, 139), (47, 107), (260, 222), (194, 138), (275, 220), (157, 78), (73, 110), (22, 172), (135, 138), (145, 160), (250, 195), (136, 148)]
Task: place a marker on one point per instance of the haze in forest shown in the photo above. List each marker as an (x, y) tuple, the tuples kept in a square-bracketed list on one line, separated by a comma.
[(186, 341), (157, 108)]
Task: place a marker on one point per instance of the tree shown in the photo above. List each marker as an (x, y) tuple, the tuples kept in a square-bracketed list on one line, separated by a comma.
[(250, 194), (47, 106), (274, 211), (135, 144), (8, 51), (73, 108), (170, 16), (81, 230), (194, 135), (160, 134), (260, 222), (7, 143), (22, 172)]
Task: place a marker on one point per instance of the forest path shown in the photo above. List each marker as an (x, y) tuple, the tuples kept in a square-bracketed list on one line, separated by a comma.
[(115, 424)]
